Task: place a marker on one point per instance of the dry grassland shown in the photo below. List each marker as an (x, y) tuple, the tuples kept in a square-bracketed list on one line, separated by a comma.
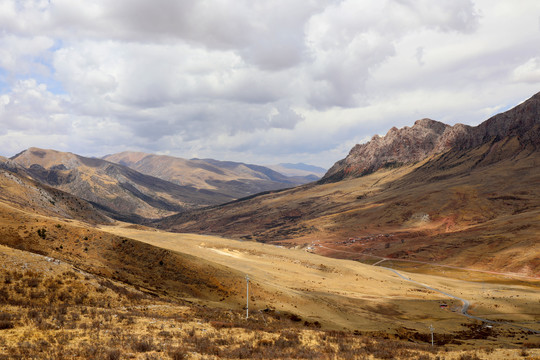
[(74, 291), (51, 310), (347, 295)]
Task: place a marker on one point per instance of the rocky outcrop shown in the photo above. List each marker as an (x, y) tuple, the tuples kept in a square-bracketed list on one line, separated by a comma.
[(429, 137)]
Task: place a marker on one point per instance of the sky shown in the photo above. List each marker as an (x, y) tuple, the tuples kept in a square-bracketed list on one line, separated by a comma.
[(255, 81)]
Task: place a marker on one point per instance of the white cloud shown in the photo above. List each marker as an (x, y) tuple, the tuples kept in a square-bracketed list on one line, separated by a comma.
[(32, 108), (24, 55), (528, 72), (284, 118), (282, 79)]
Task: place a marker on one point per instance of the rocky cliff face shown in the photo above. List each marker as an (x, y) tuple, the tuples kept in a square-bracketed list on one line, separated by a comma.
[(428, 137)]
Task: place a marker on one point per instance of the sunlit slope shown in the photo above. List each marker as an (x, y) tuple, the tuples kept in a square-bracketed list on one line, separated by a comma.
[(150, 269), (211, 271), (344, 294), (19, 191)]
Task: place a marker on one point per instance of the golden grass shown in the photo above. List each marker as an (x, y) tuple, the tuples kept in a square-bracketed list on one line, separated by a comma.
[(130, 292), (349, 295), (49, 309)]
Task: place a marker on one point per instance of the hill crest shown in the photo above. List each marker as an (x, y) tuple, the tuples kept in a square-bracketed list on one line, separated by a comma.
[(233, 179), (120, 192)]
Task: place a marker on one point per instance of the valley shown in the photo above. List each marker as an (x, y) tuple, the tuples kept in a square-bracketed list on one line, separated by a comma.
[(342, 291), (145, 292), (428, 230)]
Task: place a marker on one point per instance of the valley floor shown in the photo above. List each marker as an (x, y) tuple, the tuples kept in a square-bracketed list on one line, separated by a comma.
[(301, 305), (349, 295)]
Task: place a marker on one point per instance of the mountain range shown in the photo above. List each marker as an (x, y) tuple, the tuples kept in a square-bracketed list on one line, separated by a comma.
[(232, 179), (455, 194), (137, 187), (430, 187), (310, 172), (441, 224)]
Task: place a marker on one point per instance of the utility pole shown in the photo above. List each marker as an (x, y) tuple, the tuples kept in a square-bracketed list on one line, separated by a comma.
[(431, 329), (247, 297)]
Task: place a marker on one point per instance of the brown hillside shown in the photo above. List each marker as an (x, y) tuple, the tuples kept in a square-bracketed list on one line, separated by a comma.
[(21, 192), (190, 304), (150, 269), (118, 191), (79, 291)]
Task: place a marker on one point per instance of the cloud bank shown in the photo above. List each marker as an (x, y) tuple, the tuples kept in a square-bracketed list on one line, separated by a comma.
[(263, 82)]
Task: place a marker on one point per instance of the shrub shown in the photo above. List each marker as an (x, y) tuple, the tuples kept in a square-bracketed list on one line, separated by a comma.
[(42, 233), (295, 318), (143, 345), (33, 282), (6, 324), (178, 354), (4, 295), (287, 338), (221, 324), (113, 354), (469, 357)]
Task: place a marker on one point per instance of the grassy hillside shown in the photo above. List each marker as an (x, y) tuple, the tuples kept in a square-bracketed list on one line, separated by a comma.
[(66, 286)]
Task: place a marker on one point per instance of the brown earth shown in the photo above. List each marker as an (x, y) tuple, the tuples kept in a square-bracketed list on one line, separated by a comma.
[(17, 190), (51, 309), (67, 286)]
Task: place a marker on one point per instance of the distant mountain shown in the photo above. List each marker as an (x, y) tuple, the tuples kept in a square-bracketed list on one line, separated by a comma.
[(309, 172), (233, 179), (428, 137), (117, 190), (305, 167)]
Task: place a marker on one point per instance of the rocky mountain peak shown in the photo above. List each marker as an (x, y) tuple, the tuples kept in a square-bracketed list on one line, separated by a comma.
[(434, 125), (397, 147), (428, 137)]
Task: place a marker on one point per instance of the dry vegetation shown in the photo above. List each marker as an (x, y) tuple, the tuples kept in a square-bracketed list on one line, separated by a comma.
[(49, 310), (70, 290)]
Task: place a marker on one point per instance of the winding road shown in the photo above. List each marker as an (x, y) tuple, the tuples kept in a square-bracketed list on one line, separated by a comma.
[(466, 303)]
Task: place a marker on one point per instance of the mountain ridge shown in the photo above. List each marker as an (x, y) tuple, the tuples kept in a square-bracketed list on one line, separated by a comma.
[(429, 137), (118, 191), (19, 190), (233, 179), (299, 169)]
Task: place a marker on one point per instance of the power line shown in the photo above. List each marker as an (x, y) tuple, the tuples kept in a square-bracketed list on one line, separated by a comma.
[(247, 296)]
